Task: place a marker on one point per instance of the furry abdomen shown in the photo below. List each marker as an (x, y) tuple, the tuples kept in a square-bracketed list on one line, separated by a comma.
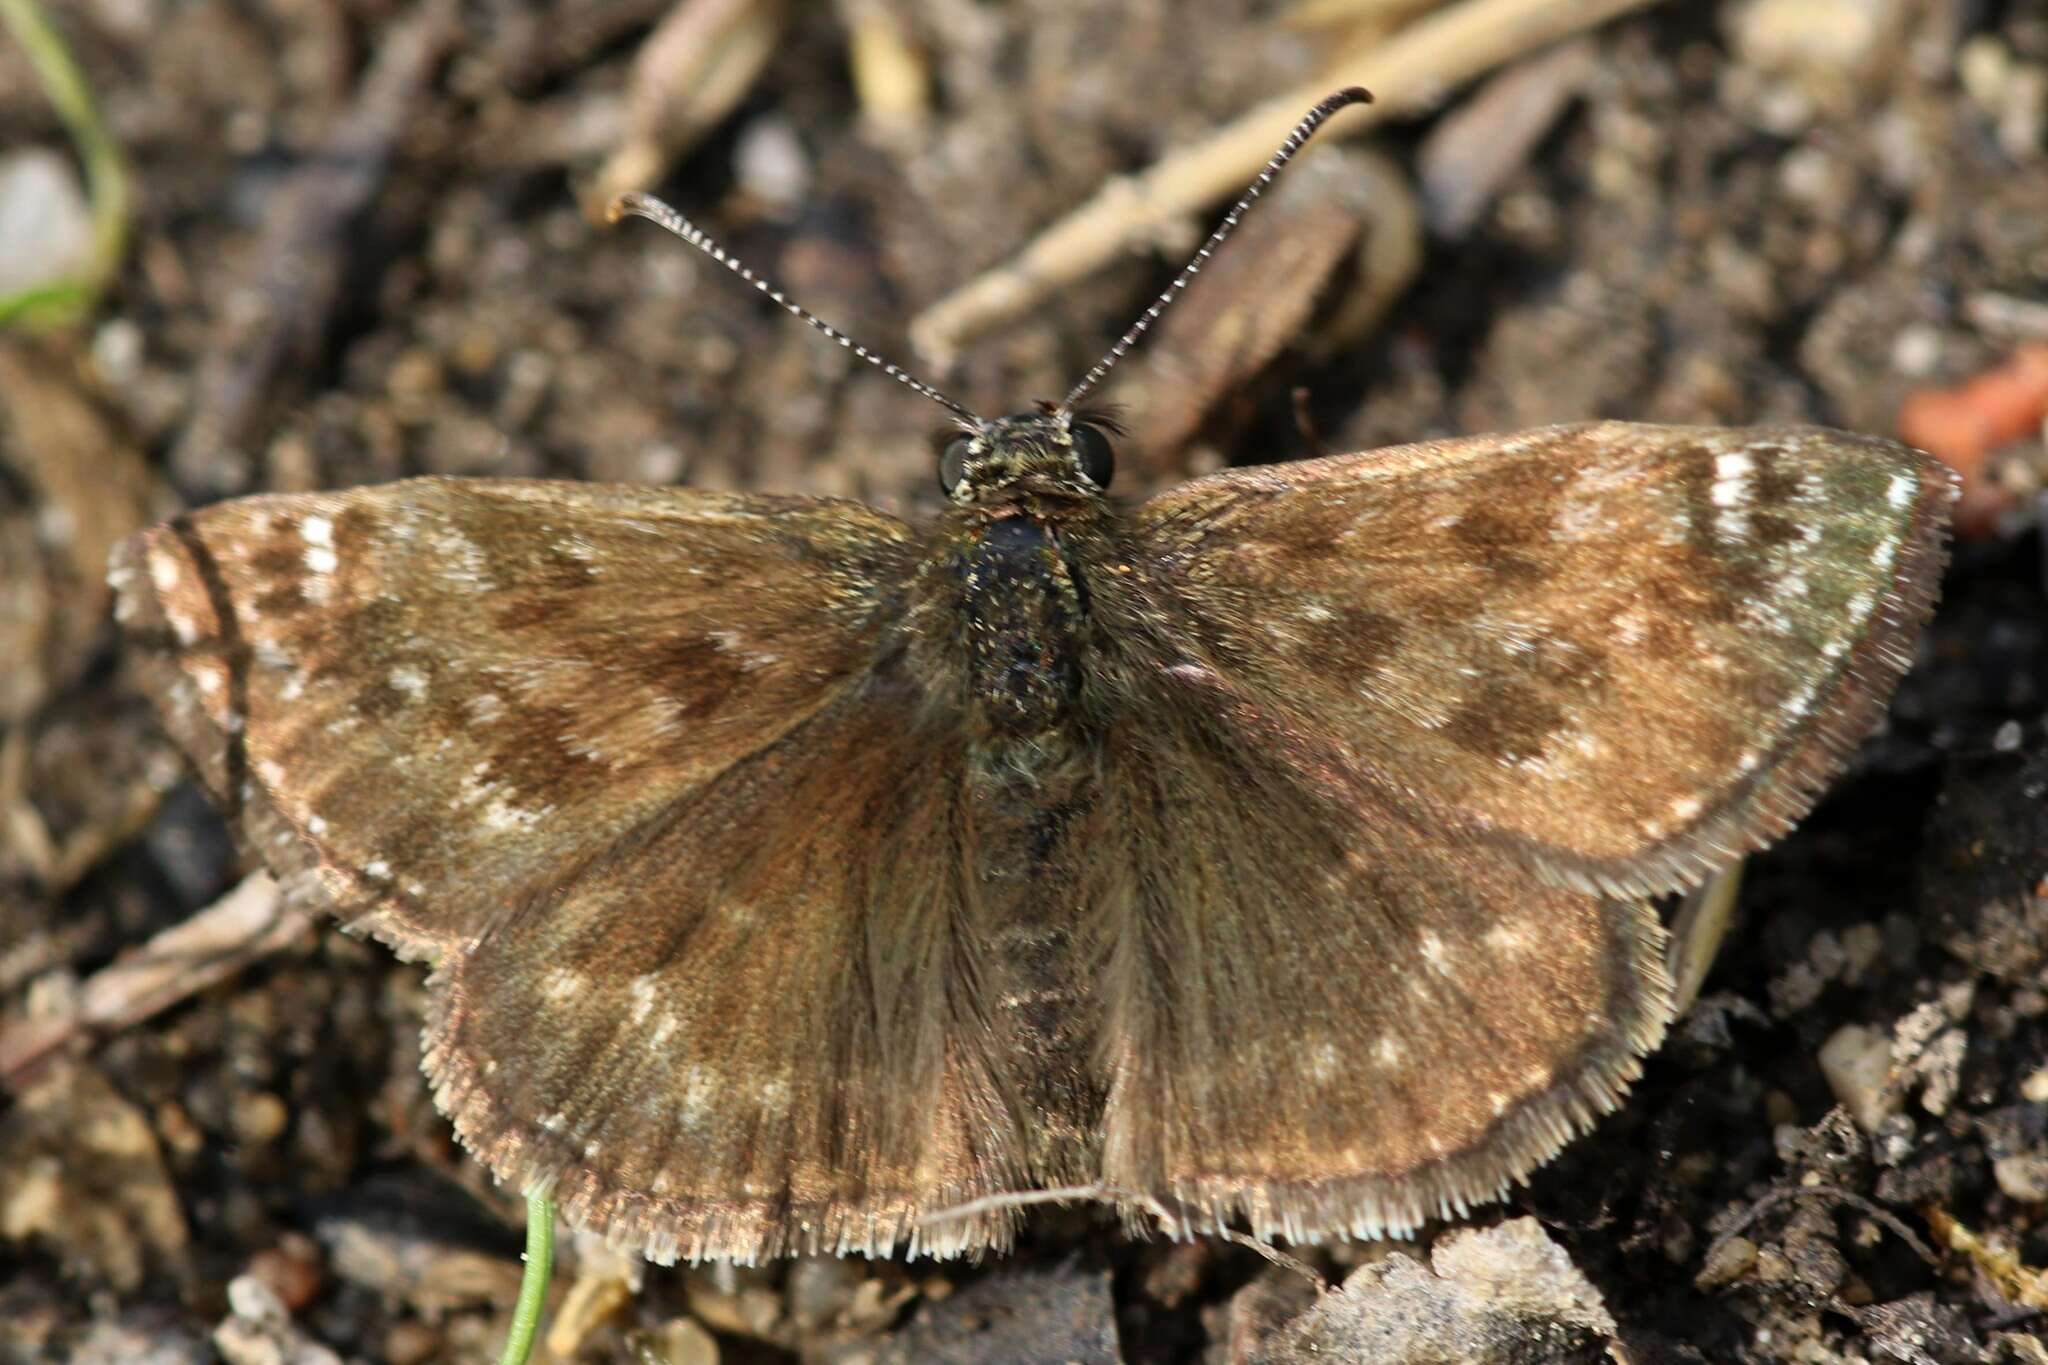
[(1032, 773)]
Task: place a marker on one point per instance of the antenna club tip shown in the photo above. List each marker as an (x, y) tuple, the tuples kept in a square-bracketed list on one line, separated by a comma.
[(620, 207), (1350, 94)]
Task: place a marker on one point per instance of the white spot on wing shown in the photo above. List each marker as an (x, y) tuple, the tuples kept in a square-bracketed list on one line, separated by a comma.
[(642, 990), (1731, 481), (699, 1085), (1435, 954), (1503, 938), (183, 624)]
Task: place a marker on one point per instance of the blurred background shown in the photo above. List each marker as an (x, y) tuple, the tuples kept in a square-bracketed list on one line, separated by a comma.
[(294, 244)]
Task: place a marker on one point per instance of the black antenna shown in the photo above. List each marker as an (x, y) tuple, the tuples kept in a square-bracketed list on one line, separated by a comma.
[(647, 206), (1314, 119)]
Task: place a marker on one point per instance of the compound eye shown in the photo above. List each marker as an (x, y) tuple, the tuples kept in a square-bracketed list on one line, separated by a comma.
[(953, 464), (1091, 447)]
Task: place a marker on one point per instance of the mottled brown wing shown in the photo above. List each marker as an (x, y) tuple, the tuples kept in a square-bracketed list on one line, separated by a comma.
[(1326, 1017), (1621, 654), (638, 770), (752, 1027)]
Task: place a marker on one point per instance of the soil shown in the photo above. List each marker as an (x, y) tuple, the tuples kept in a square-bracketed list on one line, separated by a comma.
[(360, 252)]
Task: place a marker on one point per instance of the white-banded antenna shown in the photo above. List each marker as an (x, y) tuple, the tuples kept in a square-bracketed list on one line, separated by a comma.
[(638, 205), (1314, 119), (654, 210)]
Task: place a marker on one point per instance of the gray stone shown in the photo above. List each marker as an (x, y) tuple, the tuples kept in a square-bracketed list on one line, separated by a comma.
[(1502, 1296)]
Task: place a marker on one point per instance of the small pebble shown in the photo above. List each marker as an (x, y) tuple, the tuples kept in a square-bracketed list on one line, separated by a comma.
[(735, 1300), (2024, 1178), (292, 1269), (43, 219), (1916, 350), (117, 350), (412, 1342), (661, 462), (249, 1297), (1857, 1064), (259, 1117), (1824, 46), (416, 376), (820, 1288), (1772, 1267), (1983, 66), (1893, 1141), (1862, 946), (1727, 1261), (769, 161), (175, 1129), (683, 1341)]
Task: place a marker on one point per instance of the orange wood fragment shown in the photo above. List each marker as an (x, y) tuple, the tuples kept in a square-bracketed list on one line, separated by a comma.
[(1965, 425)]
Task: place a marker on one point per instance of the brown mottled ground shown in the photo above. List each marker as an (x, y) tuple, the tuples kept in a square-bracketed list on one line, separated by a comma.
[(1738, 215)]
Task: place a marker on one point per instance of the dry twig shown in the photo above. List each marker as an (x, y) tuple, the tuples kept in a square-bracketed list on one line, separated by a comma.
[(1412, 71), (247, 924), (696, 66)]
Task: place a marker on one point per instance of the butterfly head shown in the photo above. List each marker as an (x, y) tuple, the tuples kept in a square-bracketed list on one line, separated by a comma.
[(1051, 453)]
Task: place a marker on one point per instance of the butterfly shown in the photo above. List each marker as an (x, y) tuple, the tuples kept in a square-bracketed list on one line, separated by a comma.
[(1276, 853)]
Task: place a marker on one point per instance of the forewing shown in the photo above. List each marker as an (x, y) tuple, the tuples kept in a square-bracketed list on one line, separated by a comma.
[(640, 771), (1325, 1017), (428, 695), (1622, 653)]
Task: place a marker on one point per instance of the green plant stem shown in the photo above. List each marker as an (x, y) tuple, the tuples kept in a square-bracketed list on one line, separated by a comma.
[(106, 173), (533, 1285)]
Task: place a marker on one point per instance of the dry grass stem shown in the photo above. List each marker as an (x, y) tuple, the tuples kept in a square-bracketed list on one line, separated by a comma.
[(247, 924), (891, 78), (1412, 71), (694, 69), (1703, 919)]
